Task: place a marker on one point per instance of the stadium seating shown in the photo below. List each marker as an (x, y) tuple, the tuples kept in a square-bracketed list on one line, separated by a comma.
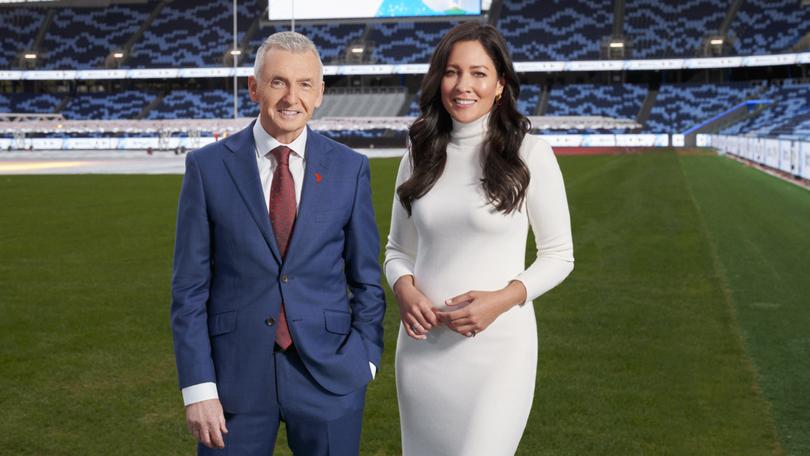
[(361, 103), (120, 105), (81, 38), (528, 99), (614, 100), (43, 103), (187, 33), (20, 26), (406, 42), (679, 107), (663, 28), (330, 39), (189, 104), (789, 115), (557, 30), (768, 26)]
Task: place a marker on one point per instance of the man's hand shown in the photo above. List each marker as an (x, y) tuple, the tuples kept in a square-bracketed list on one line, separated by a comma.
[(206, 422)]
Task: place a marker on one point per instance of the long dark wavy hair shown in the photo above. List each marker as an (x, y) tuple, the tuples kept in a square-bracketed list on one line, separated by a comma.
[(505, 175)]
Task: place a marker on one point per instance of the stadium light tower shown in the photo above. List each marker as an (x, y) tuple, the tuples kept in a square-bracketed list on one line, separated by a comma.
[(714, 46), (614, 47)]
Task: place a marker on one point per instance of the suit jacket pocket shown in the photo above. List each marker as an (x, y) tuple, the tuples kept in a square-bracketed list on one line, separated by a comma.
[(221, 323), (338, 321)]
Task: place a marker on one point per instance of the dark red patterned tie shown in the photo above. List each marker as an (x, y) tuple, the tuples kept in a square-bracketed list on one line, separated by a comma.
[(282, 216)]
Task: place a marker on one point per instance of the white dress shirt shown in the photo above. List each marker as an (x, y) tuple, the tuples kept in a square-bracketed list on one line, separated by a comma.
[(267, 166)]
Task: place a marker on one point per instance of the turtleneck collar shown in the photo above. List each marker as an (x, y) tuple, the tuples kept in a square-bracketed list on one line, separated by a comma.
[(469, 133)]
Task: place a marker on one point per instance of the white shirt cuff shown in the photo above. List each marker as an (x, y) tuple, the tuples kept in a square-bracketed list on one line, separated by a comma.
[(373, 369), (199, 392)]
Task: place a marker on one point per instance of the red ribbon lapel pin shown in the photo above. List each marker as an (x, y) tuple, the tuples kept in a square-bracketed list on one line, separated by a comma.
[(318, 177)]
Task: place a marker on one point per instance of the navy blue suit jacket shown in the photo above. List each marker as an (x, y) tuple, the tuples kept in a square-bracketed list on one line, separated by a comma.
[(229, 278)]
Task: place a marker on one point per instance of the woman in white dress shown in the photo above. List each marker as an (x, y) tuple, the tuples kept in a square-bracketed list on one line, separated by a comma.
[(468, 190)]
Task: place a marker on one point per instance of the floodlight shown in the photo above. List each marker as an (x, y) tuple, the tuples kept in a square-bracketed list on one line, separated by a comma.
[(118, 55), (357, 50), (617, 44), (30, 56), (716, 41), (236, 52)]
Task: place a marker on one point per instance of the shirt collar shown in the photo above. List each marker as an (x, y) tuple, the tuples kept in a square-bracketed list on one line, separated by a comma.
[(265, 143)]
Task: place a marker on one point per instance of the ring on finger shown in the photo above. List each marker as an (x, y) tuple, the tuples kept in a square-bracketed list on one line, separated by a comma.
[(471, 334), (416, 327)]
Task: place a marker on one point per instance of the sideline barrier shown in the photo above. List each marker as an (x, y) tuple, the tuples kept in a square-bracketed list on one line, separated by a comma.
[(191, 143), (786, 155)]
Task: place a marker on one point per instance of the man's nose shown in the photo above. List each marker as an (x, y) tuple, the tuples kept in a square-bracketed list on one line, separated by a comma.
[(289, 95)]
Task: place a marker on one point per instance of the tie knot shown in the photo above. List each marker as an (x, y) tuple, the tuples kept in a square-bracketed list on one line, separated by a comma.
[(282, 155)]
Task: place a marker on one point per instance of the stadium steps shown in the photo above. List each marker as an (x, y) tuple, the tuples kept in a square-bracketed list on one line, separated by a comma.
[(152, 104), (542, 105), (731, 14), (43, 30), (244, 43), (61, 106), (647, 105), (139, 33)]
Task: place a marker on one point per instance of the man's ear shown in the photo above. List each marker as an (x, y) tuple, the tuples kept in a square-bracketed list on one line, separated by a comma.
[(253, 88), (319, 101)]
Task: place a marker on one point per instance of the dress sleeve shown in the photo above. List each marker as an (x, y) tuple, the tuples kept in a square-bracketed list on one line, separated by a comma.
[(400, 251), (547, 209)]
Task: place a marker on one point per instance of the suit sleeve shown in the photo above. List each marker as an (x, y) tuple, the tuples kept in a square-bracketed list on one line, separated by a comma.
[(547, 208), (361, 255), (191, 277)]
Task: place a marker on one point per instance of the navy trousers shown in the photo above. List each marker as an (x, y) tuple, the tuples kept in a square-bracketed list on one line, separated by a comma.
[(319, 423)]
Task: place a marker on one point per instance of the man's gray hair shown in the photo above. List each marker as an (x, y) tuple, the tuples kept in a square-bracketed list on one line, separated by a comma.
[(288, 41)]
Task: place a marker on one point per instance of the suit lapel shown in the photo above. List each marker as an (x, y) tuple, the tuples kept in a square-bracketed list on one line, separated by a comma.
[(241, 165), (316, 170)]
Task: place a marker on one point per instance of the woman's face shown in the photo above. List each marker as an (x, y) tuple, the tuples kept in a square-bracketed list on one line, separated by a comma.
[(470, 83)]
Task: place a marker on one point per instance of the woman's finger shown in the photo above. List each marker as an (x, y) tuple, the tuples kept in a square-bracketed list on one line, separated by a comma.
[(460, 299)]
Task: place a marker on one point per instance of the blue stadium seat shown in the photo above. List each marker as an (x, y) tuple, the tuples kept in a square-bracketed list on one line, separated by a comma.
[(120, 105), (81, 38), (555, 30), (43, 103), (187, 33), (679, 107), (663, 28), (789, 114), (612, 100), (202, 104), (406, 42), (768, 26), (528, 99), (20, 26)]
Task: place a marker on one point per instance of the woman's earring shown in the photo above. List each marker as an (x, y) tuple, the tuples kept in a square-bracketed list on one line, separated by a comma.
[(498, 99)]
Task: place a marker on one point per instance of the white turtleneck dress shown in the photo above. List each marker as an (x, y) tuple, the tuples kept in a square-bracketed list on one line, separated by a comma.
[(470, 396)]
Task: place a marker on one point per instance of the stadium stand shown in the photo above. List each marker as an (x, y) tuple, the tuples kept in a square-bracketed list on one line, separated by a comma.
[(366, 102), (681, 106), (187, 33), (559, 30), (528, 99), (81, 38), (769, 26), (120, 105), (663, 28), (614, 100), (405, 42), (34, 103), (20, 26), (788, 115), (188, 104)]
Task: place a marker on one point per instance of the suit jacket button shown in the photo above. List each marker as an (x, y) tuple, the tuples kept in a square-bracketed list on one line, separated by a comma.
[(270, 321), (284, 278)]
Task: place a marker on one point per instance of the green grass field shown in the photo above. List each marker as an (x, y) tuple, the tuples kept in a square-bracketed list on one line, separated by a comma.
[(683, 329)]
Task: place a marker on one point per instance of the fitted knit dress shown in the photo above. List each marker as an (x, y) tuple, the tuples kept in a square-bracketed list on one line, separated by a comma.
[(470, 396)]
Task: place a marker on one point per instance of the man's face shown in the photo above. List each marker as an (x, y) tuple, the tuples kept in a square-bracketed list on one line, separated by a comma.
[(288, 90)]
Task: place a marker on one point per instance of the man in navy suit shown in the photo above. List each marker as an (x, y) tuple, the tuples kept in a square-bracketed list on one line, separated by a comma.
[(277, 307)]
